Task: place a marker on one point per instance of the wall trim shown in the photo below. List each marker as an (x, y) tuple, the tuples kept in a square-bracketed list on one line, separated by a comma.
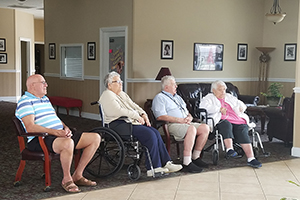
[(9, 71), (13, 99), (182, 80), (296, 89), (295, 151)]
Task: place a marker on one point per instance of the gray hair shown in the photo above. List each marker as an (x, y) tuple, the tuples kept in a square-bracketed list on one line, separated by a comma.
[(109, 78), (215, 85), (166, 81)]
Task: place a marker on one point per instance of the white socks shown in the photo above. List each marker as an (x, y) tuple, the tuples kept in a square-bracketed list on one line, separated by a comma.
[(250, 159), (187, 160)]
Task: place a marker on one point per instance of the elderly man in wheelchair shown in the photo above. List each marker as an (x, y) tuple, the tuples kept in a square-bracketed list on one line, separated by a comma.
[(228, 114)]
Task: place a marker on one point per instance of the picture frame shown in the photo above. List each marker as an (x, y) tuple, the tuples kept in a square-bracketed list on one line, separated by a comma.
[(2, 44), (167, 49), (3, 58), (242, 52), (208, 57), (52, 51), (290, 52), (91, 50)]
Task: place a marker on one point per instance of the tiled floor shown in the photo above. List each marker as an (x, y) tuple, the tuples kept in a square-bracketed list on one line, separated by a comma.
[(267, 183)]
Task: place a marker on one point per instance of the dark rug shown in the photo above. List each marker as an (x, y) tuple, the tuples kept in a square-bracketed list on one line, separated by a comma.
[(32, 184)]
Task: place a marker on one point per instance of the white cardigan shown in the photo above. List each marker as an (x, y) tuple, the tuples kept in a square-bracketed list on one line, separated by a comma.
[(213, 105)]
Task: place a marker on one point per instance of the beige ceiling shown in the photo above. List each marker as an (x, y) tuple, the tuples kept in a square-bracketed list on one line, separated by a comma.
[(35, 7)]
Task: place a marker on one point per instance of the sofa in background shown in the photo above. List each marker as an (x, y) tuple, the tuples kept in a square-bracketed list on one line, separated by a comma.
[(192, 94)]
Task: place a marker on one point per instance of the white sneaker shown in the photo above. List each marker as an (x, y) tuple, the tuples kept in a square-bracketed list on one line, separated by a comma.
[(172, 167), (157, 170)]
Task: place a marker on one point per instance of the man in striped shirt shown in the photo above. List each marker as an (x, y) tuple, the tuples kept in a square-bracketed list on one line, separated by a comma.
[(37, 115)]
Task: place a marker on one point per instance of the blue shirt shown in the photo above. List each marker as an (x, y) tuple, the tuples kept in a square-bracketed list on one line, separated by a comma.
[(165, 103), (41, 108)]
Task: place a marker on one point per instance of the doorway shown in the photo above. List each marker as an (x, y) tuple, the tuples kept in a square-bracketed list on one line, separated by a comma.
[(25, 62), (113, 54)]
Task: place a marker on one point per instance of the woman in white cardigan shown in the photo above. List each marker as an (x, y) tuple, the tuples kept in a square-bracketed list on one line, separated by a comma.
[(231, 121), (116, 104)]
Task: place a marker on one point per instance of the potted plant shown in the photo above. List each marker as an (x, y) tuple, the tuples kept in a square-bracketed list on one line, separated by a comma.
[(273, 94)]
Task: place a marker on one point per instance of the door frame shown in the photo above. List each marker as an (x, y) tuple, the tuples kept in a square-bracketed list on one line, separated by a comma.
[(105, 33), (29, 52)]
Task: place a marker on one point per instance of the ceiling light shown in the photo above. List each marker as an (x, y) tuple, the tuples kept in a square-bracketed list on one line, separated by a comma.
[(275, 14)]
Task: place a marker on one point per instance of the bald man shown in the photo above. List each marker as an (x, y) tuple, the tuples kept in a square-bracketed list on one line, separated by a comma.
[(37, 114)]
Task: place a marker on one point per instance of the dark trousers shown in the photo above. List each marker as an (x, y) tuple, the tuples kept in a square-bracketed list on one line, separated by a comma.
[(150, 138), (238, 132)]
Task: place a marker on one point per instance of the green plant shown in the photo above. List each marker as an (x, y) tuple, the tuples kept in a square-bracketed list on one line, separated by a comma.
[(273, 90), (290, 198)]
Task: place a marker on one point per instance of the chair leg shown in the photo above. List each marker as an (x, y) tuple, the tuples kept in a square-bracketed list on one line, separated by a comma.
[(178, 151), (20, 170), (47, 171)]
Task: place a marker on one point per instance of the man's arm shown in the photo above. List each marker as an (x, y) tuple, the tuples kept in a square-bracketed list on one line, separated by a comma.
[(171, 119), (32, 127)]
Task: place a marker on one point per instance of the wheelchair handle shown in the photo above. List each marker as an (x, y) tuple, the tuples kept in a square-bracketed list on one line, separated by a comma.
[(94, 103)]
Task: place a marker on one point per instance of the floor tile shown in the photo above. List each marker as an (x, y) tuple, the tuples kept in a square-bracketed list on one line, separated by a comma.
[(241, 188), (190, 195), (230, 196)]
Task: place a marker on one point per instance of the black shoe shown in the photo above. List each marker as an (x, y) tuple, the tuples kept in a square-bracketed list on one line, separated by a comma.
[(200, 163), (192, 168), (254, 163), (232, 154)]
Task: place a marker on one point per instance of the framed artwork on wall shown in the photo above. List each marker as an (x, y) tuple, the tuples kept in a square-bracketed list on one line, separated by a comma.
[(2, 44), (166, 49), (52, 51), (208, 57), (242, 52), (91, 50), (290, 52), (3, 58)]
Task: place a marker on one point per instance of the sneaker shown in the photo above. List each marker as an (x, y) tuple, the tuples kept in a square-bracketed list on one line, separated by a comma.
[(157, 170), (254, 163), (192, 168), (200, 163), (232, 154), (172, 167)]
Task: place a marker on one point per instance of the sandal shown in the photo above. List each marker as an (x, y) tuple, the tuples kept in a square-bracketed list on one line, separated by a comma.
[(68, 186), (84, 182)]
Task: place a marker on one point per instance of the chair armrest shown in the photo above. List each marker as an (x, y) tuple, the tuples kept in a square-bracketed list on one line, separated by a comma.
[(35, 134), (273, 112), (249, 99)]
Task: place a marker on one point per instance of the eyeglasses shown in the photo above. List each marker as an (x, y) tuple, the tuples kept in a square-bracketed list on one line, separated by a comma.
[(118, 81), (43, 82)]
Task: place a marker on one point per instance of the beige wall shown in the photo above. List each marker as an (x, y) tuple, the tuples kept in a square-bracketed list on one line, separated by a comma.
[(39, 30)]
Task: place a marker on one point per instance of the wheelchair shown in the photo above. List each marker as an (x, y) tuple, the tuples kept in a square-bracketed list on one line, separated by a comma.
[(218, 140), (112, 152)]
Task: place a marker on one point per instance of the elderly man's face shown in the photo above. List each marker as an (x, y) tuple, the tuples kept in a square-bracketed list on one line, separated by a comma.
[(171, 87), (220, 92)]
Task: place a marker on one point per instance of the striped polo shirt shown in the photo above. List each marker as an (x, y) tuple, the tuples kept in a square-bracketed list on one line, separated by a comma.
[(41, 108)]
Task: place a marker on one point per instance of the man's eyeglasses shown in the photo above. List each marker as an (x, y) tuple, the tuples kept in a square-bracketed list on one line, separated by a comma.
[(43, 82), (118, 81)]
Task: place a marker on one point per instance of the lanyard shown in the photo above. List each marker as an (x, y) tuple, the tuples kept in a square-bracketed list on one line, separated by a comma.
[(178, 104)]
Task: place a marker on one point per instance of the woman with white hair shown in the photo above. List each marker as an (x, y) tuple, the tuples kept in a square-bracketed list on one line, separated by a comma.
[(230, 119), (116, 104)]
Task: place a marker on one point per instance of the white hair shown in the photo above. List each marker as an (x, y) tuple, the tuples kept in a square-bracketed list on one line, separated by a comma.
[(166, 81), (109, 78), (215, 85)]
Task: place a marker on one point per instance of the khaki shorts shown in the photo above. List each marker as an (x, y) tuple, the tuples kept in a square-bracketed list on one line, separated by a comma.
[(178, 130)]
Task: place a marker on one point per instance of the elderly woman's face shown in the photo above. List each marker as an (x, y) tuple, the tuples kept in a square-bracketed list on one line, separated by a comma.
[(116, 85), (220, 92)]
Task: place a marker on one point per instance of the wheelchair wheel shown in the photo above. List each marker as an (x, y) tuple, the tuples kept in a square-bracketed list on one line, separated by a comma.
[(134, 172), (109, 157), (215, 156)]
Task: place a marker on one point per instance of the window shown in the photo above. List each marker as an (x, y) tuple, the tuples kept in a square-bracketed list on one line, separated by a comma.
[(71, 61)]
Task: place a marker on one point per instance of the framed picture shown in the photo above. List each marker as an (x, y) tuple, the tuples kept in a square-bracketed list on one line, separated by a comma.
[(3, 58), (208, 57), (166, 49), (91, 50), (242, 52), (52, 51), (290, 52), (2, 44)]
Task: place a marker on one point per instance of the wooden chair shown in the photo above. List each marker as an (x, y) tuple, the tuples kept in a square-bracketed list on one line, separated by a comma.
[(46, 156), (168, 139)]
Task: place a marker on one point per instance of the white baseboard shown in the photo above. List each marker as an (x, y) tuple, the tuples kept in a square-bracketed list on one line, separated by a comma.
[(75, 112), (295, 151)]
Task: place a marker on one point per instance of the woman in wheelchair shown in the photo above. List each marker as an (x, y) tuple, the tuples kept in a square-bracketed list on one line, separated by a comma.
[(231, 121), (115, 104)]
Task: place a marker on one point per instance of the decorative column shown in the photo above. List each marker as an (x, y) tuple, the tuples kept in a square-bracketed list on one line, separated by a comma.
[(263, 68)]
